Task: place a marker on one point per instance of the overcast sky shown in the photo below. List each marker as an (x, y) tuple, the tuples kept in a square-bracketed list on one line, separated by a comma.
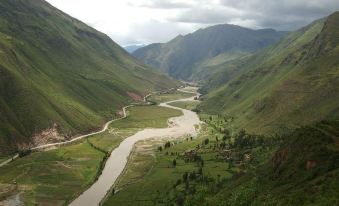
[(147, 21)]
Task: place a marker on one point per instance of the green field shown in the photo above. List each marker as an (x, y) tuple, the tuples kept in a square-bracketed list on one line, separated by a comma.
[(263, 170), (189, 105), (152, 182), (139, 164), (146, 116), (58, 176), (168, 96), (4, 158)]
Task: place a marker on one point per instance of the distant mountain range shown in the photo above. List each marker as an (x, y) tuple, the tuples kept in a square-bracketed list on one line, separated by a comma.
[(131, 48), (188, 57), (56, 73)]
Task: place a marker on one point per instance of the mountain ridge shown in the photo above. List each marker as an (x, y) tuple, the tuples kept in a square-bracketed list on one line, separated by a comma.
[(57, 70), (289, 84), (181, 57)]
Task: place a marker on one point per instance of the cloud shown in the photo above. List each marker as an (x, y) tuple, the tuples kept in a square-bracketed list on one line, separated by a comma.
[(283, 14), (165, 4), (154, 31), (148, 21), (206, 15)]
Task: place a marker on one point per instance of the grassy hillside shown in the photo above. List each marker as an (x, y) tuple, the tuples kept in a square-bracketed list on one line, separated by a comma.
[(292, 83), (235, 168), (191, 56), (303, 170), (55, 70)]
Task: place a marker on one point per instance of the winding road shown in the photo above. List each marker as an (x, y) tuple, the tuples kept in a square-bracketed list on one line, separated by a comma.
[(182, 125), (41, 147)]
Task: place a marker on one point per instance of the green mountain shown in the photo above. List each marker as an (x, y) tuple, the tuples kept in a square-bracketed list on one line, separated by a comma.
[(56, 72), (292, 83), (185, 57)]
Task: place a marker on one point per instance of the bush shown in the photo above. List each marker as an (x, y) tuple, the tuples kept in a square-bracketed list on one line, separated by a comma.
[(174, 163), (206, 141), (23, 153), (167, 145)]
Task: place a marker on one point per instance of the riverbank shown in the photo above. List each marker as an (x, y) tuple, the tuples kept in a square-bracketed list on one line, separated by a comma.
[(180, 126), (58, 176)]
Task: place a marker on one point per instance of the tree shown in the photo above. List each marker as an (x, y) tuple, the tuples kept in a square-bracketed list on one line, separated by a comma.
[(24, 152), (224, 138), (185, 177), (192, 175), (174, 163), (202, 163), (222, 145), (177, 183), (167, 145), (200, 171), (206, 141)]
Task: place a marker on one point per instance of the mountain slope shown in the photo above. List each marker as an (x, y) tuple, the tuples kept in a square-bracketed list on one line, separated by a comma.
[(56, 72), (185, 56), (292, 83)]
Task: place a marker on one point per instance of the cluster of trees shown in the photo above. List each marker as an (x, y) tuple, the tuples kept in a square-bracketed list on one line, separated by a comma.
[(246, 140), (24, 152), (193, 182)]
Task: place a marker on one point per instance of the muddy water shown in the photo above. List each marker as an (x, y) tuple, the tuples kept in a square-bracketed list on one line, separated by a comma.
[(183, 125)]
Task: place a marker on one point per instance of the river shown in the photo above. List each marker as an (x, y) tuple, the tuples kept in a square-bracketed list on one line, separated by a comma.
[(180, 126)]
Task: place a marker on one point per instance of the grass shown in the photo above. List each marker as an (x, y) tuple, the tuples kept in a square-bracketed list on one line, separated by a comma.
[(189, 105), (140, 117), (169, 96), (284, 86), (154, 180), (109, 140), (62, 72), (139, 164), (275, 174), (4, 158), (56, 176), (60, 175)]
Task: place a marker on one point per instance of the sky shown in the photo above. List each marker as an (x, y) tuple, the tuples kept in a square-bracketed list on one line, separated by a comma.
[(130, 22)]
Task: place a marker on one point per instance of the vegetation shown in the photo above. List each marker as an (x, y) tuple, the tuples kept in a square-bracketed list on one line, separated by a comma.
[(57, 70), (189, 105), (241, 169), (191, 56), (140, 117), (287, 85), (175, 163), (60, 175), (54, 177), (169, 96)]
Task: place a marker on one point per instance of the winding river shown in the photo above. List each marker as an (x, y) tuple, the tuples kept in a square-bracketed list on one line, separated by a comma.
[(180, 126)]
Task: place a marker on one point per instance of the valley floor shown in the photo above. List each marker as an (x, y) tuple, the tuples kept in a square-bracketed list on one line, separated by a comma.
[(58, 176)]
